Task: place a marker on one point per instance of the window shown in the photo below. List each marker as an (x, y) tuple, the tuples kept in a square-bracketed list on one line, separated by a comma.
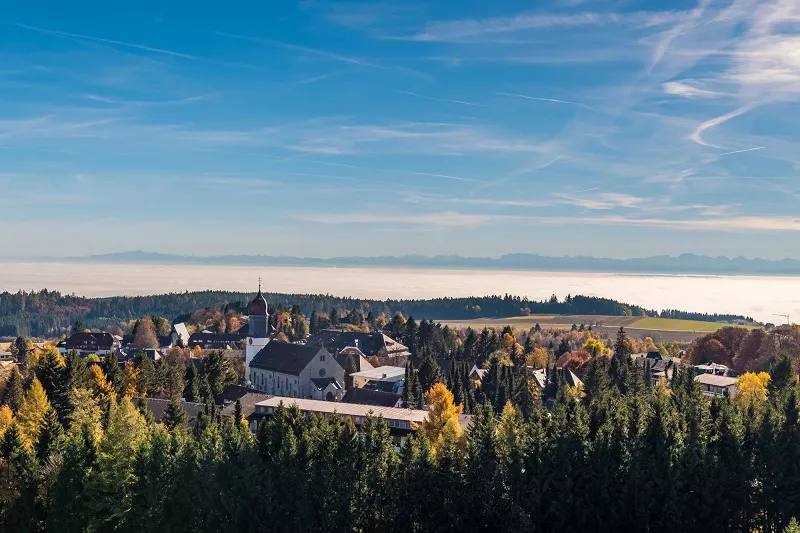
[(322, 357)]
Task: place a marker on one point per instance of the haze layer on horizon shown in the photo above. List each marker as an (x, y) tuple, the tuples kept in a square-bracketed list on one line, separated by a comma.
[(316, 128)]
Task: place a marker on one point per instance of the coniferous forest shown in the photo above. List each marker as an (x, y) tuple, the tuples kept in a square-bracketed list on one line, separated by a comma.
[(49, 313), (76, 454)]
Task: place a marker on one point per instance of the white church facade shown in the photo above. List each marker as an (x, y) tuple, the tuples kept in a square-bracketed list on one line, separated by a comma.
[(286, 369)]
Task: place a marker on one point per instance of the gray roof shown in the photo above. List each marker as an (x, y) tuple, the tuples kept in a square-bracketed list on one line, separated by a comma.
[(248, 403), (284, 357), (372, 397), (322, 383), (159, 406), (368, 343), (715, 380)]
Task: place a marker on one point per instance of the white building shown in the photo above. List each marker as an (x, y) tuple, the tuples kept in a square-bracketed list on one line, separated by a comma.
[(296, 371), (381, 373), (714, 385)]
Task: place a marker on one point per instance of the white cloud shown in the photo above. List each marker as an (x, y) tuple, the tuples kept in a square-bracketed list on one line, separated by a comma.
[(441, 220), (456, 30), (741, 223), (688, 91), (696, 134)]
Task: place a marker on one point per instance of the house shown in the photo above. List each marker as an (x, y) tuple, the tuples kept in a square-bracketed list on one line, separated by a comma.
[(180, 335), (476, 374), (212, 341), (287, 369), (159, 406), (715, 385), (86, 343), (374, 344), (394, 374), (129, 353), (372, 397), (247, 398), (359, 361), (714, 368), (661, 367), (401, 421)]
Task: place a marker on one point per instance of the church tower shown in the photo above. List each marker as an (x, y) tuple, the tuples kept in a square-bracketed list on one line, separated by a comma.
[(258, 329)]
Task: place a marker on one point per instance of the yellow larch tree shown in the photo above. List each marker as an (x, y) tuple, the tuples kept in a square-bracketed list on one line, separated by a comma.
[(102, 388), (752, 387), (31, 415), (130, 378), (6, 417), (440, 427)]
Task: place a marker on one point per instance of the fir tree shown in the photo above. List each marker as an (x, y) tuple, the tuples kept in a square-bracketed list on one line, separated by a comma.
[(53, 376), (430, 373), (192, 391), (51, 437), (175, 416), (110, 366), (146, 374), (13, 392)]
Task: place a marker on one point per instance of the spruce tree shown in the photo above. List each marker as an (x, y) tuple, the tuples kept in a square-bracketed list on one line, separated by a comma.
[(51, 436), (192, 391), (430, 373), (20, 512), (174, 415), (75, 370), (146, 374), (53, 376), (781, 374), (13, 392), (110, 366)]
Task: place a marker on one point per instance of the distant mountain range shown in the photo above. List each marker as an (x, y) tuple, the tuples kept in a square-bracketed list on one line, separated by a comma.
[(661, 264)]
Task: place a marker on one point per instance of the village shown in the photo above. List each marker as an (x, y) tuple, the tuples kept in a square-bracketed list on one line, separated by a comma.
[(354, 374)]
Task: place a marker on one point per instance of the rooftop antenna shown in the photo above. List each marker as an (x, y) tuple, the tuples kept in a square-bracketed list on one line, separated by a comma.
[(788, 322)]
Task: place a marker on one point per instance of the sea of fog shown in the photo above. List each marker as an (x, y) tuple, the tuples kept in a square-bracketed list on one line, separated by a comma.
[(757, 296)]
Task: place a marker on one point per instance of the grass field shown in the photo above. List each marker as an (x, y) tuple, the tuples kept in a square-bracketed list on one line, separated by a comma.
[(660, 329)]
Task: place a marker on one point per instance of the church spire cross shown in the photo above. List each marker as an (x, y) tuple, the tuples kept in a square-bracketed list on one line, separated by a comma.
[(259, 283)]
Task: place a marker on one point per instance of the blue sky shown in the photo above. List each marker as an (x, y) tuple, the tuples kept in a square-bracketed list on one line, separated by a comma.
[(318, 128)]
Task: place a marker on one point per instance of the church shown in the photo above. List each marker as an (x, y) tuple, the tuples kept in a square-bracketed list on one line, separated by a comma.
[(287, 369)]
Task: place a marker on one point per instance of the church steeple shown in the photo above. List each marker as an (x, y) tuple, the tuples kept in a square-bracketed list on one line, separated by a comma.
[(259, 315)]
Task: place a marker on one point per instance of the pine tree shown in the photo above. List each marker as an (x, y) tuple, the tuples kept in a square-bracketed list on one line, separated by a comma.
[(349, 370), (237, 412), (21, 481), (174, 415), (192, 391), (68, 509), (75, 370), (51, 436), (333, 316), (53, 377), (13, 392), (781, 374), (146, 375), (110, 366), (111, 481), (216, 370), (430, 373)]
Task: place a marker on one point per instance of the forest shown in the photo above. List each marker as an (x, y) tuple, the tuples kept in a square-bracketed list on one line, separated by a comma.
[(49, 313), (619, 454)]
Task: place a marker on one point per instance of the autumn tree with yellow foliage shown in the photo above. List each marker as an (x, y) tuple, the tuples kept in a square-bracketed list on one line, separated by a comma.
[(441, 428), (31, 415), (752, 387)]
